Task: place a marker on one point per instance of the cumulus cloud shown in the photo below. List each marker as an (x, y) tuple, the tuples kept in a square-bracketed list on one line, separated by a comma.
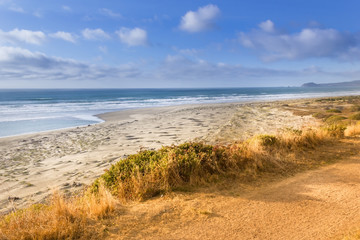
[(95, 34), (64, 36), (18, 64), (273, 45), (201, 20), (27, 36), (22, 64), (267, 26), (132, 37), (109, 13)]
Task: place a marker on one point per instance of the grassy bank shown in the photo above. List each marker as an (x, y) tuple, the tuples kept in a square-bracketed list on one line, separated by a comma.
[(172, 168), (153, 172)]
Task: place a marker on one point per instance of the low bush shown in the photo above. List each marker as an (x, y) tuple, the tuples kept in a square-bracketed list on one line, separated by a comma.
[(334, 119)]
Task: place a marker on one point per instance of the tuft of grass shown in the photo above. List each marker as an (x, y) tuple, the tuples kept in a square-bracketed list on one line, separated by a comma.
[(151, 172), (61, 219), (355, 116), (334, 119), (333, 110), (266, 140), (335, 130), (352, 130)]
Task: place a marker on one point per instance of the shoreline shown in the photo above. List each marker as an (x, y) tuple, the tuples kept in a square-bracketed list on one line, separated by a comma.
[(33, 165), (102, 116)]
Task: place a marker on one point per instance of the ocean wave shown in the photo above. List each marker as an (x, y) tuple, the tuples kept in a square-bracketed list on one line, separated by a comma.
[(84, 109)]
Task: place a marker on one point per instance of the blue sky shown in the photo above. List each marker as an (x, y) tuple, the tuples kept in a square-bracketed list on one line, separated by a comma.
[(127, 44)]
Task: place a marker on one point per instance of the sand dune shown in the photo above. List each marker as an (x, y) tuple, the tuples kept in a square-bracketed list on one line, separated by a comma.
[(33, 165)]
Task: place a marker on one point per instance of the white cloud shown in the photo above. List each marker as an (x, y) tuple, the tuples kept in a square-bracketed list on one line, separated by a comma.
[(18, 64), (201, 20), (95, 34), (132, 37), (22, 64), (66, 8), (27, 36), (267, 26), (273, 45), (64, 36), (109, 13)]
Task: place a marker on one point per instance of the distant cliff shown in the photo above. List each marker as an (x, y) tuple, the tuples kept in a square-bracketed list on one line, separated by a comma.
[(355, 83)]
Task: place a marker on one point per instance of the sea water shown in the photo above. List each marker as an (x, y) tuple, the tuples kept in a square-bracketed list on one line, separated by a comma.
[(34, 110)]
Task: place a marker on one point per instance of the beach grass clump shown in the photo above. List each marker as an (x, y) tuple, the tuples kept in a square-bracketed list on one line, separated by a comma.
[(334, 119), (352, 130), (355, 116), (335, 130), (61, 218), (267, 140), (152, 172)]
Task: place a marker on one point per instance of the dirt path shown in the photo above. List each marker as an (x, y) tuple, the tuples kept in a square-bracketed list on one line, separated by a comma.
[(317, 204)]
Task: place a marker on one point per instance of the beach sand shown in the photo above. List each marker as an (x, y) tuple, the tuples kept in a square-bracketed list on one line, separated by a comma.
[(34, 165)]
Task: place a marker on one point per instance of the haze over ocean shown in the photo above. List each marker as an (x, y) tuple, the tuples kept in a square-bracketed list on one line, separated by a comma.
[(29, 111)]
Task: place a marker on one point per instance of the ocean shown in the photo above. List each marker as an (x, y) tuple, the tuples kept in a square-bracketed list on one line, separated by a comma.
[(35, 110)]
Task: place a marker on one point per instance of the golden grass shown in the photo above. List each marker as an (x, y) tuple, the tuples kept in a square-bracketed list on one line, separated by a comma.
[(61, 219), (149, 173), (352, 130)]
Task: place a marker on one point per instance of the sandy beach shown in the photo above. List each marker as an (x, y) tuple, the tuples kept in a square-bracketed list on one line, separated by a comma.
[(34, 165)]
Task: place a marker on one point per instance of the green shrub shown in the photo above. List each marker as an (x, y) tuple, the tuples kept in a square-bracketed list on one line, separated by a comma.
[(335, 130), (267, 140), (334, 110), (334, 119), (150, 172)]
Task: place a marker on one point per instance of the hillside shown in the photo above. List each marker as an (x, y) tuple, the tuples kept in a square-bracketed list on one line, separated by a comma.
[(355, 83)]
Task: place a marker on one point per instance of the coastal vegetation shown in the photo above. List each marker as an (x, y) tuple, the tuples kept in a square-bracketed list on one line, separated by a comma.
[(176, 168)]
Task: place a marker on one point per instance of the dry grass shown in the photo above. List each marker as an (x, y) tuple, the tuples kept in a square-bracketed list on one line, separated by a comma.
[(149, 173), (61, 219), (352, 130)]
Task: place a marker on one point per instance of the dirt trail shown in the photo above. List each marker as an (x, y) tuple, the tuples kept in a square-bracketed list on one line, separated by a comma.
[(317, 204)]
